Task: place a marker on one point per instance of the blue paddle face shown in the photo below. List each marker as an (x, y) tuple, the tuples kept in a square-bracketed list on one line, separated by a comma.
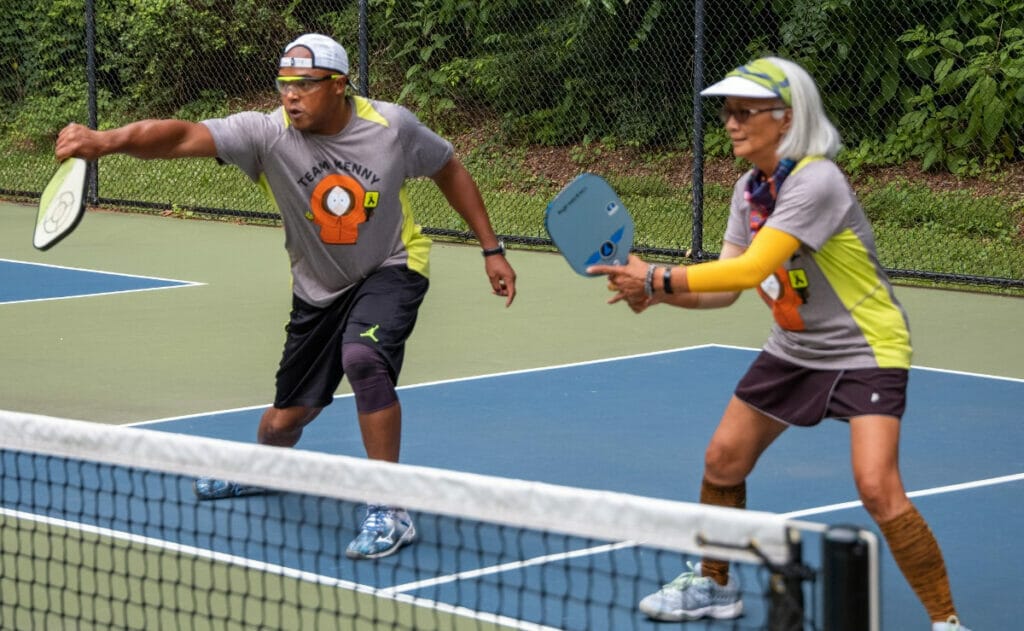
[(589, 224)]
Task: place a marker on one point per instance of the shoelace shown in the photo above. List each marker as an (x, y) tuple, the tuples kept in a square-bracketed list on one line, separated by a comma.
[(376, 518), (687, 579)]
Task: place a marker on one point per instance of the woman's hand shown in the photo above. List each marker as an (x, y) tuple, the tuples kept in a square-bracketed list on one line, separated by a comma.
[(627, 281)]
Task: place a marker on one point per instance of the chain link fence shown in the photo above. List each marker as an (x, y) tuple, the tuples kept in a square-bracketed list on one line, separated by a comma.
[(928, 95)]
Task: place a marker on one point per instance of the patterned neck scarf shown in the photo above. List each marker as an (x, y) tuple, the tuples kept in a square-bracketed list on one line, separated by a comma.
[(762, 191)]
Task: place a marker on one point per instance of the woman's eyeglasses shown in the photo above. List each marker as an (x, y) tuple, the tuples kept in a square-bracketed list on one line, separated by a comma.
[(301, 85), (743, 114)]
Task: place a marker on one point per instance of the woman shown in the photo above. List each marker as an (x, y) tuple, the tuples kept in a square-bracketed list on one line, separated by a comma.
[(840, 345)]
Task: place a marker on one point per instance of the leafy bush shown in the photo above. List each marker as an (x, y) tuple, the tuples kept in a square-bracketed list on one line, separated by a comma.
[(558, 72), (923, 80), (968, 117), (859, 75), (171, 52), (42, 51)]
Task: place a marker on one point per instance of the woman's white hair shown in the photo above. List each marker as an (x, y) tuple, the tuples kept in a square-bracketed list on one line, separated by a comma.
[(810, 133)]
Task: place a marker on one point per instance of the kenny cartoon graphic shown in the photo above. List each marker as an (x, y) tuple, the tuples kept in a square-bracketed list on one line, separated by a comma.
[(339, 205)]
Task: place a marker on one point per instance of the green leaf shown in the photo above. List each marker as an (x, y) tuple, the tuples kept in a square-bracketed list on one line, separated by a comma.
[(979, 41), (994, 114), (986, 89), (889, 85), (942, 69), (954, 80), (1014, 71), (920, 52), (919, 67)]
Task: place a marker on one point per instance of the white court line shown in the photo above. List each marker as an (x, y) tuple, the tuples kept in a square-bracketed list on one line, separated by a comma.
[(792, 514), (524, 371), (939, 490), (516, 565), (441, 382), (508, 567), (96, 294), (970, 374), (277, 570), (98, 271), (180, 283)]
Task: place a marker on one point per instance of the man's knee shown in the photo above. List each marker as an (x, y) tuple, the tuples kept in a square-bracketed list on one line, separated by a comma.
[(282, 427), (369, 376)]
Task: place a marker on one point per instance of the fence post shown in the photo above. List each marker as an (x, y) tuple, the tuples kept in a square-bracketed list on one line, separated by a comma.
[(364, 50), (697, 241), (92, 194)]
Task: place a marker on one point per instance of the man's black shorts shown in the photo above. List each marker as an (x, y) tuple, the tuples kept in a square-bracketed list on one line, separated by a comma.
[(380, 312)]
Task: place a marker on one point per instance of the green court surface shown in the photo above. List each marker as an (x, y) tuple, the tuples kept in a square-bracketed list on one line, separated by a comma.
[(153, 354)]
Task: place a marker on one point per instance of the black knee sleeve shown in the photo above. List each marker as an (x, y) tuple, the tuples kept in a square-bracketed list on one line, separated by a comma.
[(369, 377)]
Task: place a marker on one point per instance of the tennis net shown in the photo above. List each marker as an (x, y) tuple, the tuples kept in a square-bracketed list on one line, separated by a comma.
[(99, 528)]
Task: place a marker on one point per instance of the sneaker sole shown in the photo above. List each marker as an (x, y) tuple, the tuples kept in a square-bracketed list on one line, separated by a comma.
[(719, 612), (227, 492), (408, 537)]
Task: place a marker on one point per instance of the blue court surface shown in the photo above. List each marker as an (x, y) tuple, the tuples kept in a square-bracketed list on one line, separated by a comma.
[(640, 424), (25, 282)]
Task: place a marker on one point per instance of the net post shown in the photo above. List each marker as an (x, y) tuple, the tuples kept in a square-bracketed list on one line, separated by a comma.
[(847, 598), (785, 592)]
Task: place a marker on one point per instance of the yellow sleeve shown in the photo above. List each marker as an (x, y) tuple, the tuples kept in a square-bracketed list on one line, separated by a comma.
[(769, 250)]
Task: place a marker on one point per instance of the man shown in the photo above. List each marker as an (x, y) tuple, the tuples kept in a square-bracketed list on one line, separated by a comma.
[(335, 166)]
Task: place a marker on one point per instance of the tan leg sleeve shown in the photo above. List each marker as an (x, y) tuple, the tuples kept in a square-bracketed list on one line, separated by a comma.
[(918, 556), (728, 496)]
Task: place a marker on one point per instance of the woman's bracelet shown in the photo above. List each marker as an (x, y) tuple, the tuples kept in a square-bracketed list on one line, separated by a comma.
[(649, 281)]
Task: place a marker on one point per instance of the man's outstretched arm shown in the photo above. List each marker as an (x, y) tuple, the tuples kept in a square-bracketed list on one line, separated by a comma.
[(146, 139)]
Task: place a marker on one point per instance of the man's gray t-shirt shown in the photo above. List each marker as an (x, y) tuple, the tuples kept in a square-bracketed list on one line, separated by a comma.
[(833, 304), (342, 197)]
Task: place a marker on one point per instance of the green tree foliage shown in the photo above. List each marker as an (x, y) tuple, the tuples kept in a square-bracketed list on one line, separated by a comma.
[(859, 74), (42, 83), (556, 70), (172, 52), (927, 80), (969, 113)]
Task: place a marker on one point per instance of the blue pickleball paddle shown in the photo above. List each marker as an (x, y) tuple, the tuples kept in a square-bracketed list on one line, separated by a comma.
[(589, 224)]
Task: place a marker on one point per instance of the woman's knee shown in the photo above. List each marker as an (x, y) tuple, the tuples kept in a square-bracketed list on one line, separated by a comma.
[(882, 495), (726, 465)]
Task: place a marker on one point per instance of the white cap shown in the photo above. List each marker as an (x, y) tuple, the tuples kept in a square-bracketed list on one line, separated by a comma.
[(327, 54), (738, 86)]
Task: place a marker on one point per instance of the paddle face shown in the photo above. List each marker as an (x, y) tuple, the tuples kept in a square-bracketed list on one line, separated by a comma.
[(589, 224), (62, 205)]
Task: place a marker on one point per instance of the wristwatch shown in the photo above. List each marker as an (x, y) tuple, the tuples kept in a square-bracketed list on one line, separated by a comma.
[(492, 251)]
